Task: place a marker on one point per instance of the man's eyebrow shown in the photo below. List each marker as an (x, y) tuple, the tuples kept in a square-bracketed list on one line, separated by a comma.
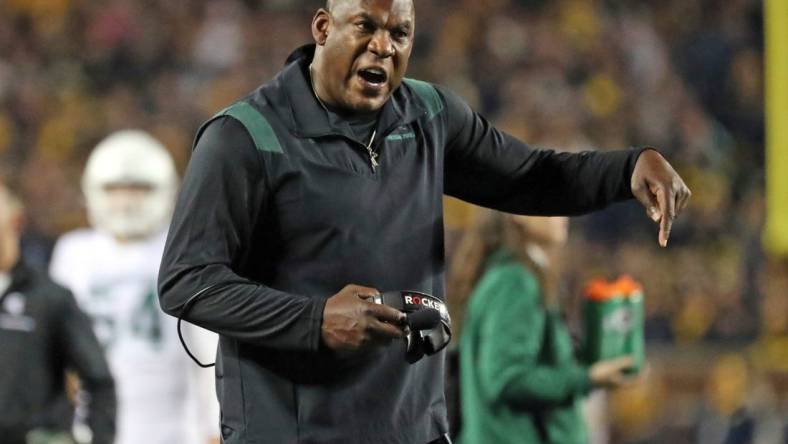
[(404, 24), (367, 17)]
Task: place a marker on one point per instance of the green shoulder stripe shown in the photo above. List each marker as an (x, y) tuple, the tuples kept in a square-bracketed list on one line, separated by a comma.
[(262, 134), (428, 95)]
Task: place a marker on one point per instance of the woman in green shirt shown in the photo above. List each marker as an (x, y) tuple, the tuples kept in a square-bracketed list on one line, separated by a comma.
[(519, 379)]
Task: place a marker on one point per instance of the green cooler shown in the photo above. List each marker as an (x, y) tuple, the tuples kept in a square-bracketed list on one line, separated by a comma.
[(613, 321)]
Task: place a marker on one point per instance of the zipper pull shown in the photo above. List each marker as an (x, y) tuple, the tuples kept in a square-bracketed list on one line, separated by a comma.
[(373, 156), (373, 159)]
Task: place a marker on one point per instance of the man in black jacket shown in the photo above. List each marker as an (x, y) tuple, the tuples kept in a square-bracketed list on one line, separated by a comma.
[(331, 176), (43, 333)]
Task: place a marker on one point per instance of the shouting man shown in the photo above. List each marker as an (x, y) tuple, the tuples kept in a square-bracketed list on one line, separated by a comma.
[(324, 187)]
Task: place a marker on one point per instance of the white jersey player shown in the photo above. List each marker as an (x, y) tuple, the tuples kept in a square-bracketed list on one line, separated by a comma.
[(129, 185)]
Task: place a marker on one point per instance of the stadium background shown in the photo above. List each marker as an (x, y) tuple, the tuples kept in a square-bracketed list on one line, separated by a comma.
[(685, 76)]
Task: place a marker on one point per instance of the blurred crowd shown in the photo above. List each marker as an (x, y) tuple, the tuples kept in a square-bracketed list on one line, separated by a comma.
[(684, 76)]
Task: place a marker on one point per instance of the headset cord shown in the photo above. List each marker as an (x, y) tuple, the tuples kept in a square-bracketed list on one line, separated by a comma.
[(185, 310)]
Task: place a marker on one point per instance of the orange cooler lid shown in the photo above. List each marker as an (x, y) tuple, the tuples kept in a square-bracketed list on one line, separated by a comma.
[(599, 289), (628, 286)]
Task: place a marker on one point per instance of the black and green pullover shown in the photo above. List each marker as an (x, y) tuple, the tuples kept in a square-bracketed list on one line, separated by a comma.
[(281, 206)]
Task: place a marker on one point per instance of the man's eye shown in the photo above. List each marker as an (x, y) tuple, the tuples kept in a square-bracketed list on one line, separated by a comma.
[(399, 34), (365, 26)]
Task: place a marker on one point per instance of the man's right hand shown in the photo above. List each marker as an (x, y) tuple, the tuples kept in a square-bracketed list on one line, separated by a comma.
[(610, 373), (351, 323)]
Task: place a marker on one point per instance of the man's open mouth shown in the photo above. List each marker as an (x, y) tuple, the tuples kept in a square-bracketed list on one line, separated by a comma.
[(374, 76)]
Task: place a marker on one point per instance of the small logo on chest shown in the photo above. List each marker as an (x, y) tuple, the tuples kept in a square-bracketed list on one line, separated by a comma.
[(402, 133)]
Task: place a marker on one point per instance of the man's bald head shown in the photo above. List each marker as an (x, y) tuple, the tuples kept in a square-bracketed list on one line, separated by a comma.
[(331, 5)]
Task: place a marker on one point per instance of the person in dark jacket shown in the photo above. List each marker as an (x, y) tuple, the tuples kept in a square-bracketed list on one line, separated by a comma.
[(43, 334), (520, 379), (324, 187)]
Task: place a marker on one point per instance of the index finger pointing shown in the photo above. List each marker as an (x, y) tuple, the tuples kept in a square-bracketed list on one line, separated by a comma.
[(668, 209)]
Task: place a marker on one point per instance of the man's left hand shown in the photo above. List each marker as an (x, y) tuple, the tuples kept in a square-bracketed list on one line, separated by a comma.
[(660, 189)]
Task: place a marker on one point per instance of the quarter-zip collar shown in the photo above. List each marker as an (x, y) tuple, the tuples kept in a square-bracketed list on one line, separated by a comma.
[(292, 93)]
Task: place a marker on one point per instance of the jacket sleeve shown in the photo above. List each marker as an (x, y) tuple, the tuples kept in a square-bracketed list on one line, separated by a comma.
[(83, 354), (222, 200), (490, 168), (512, 335)]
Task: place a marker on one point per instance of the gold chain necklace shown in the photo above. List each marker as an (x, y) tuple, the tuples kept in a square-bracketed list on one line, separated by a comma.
[(373, 156)]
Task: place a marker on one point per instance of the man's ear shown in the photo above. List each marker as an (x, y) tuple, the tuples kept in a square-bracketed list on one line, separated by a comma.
[(320, 24)]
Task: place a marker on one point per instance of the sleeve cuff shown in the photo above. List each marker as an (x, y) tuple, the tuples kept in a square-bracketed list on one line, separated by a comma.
[(316, 323), (583, 378)]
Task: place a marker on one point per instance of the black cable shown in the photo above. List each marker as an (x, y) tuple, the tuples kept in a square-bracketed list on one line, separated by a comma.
[(185, 310)]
